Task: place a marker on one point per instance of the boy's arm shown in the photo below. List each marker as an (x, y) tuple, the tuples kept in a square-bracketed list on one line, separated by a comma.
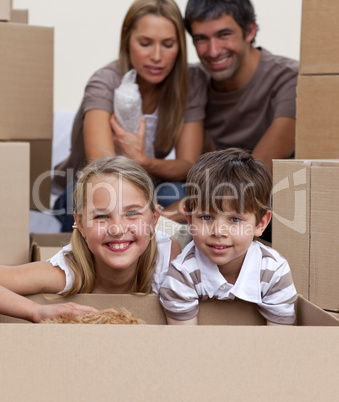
[(279, 295), (172, 321)]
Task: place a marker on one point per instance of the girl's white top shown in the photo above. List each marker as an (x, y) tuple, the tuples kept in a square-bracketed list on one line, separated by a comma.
[(163, 260)]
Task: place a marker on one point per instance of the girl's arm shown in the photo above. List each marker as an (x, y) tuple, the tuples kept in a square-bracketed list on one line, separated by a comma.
[(98, 135), (188, 149), (33, 278), (18, 306)]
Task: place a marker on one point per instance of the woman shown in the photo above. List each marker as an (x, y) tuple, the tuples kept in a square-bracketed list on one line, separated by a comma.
[(152, 42)]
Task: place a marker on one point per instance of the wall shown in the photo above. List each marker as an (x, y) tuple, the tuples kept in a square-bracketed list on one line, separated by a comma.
[(87, 36)]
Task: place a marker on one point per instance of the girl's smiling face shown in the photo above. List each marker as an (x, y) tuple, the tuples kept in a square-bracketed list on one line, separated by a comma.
[(117, 222)]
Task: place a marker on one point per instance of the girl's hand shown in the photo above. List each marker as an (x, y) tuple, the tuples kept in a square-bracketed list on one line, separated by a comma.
[(56, 310), (131, 145)]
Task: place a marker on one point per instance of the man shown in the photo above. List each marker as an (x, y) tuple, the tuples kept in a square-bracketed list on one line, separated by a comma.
[(252, 93)]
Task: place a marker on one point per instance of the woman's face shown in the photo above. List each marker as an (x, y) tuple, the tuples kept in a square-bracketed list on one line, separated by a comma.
[(153, 48)]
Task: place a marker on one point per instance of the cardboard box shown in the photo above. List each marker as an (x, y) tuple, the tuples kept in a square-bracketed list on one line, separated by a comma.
[(317, 124), (319, 50), (5, 10), (40, 174), (14, 201), (26, 82), (170, 363), (306, 226), (19, 16), (45, 245)]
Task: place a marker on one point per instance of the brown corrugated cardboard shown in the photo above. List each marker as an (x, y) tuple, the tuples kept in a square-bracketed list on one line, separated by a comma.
[(19, 16), (317, 133), (40, 173), (26, 82), (5, 10), (290, 222), (40, 177), (306, 226), (170, 363), (211, 312), (45, 245), (14, 202), (319, 51)]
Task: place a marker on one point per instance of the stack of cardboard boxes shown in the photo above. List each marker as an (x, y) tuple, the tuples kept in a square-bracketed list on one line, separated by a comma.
[(318, 86), (26, 127), (306, 193)]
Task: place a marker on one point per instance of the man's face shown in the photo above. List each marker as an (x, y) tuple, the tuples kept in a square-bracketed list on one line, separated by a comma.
[(222, 46)]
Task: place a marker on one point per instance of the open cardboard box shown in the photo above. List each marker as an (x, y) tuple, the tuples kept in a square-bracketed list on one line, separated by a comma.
[(239, 360)]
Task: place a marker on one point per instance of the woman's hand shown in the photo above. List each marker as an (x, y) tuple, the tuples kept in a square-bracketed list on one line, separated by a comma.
[(57, 310), (131, 145)]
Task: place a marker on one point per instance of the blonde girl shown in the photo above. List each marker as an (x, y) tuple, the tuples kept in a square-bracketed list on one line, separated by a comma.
[(114, 246)]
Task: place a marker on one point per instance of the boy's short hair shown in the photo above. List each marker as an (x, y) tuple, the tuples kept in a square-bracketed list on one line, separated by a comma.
[(230, 175)]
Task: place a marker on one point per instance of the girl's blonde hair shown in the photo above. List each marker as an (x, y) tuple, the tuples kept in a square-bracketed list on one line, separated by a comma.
[(174, 89), (81, 259)]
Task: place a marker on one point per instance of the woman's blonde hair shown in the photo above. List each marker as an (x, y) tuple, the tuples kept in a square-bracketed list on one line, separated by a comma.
[(81, 259), (174, 89)]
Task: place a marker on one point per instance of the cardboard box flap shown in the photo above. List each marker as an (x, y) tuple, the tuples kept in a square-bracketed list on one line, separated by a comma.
[(309, 314), (45, 245), (148, 308), (211, 312)]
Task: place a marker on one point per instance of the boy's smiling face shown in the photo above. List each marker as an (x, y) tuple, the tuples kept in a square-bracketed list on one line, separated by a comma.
[(225, 237)]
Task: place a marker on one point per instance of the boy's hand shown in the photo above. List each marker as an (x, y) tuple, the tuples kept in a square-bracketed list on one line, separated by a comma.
[(56, 310)]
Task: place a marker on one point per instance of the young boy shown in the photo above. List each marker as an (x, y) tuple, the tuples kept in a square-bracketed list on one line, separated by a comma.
[(228, 195)]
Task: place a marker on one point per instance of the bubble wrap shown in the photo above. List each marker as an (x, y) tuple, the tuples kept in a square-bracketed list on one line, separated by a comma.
[(128, 108)]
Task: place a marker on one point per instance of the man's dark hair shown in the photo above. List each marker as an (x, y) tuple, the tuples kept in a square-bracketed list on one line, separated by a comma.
[(201, 10)]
